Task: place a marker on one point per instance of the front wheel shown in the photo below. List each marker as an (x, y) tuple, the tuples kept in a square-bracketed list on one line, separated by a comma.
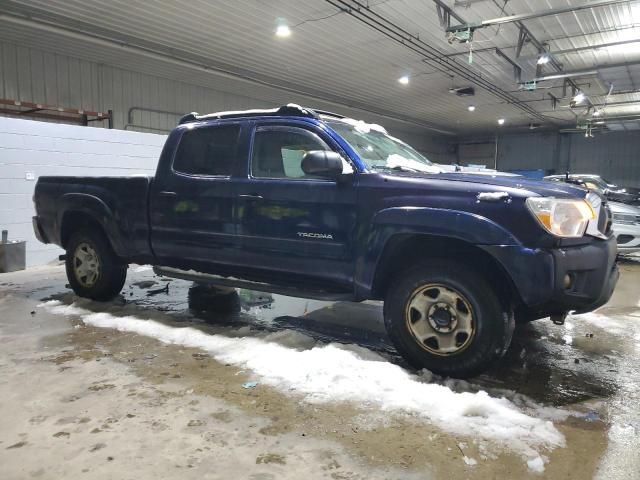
[(93, 269), (442, 316)]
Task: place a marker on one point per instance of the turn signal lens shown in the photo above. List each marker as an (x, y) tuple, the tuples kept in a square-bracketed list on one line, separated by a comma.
[(561, 216)]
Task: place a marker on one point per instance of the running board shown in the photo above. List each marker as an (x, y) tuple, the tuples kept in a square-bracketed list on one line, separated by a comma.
[(208, 278)]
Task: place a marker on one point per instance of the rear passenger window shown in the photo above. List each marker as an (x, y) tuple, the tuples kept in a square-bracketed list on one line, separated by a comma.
[(208, 150)]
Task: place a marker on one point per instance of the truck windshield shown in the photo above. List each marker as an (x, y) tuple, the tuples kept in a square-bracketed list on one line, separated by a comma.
[(379, 150)]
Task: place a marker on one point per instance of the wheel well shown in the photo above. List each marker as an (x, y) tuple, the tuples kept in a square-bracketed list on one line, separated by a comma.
[(74, 221), (400, 253)]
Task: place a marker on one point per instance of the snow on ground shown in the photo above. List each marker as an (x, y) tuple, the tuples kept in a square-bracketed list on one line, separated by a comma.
[(331, 372)]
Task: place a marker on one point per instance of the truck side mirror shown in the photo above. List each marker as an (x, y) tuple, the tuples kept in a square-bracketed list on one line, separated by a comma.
[(323, 163)]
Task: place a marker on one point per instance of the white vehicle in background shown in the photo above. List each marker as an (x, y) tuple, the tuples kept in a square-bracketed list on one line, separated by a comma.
[(626, 227)]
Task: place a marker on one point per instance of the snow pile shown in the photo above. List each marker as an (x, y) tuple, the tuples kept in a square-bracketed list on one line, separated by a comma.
[(492, 196), (536, 464), (334, 373)]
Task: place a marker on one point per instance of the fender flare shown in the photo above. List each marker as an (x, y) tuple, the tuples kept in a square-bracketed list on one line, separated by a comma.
[(435, 222), (96, 209)]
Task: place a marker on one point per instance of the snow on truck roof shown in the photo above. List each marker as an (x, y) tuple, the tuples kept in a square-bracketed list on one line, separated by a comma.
[(290, 109)]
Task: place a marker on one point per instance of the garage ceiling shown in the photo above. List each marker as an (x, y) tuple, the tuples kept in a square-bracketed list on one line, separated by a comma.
[(354, 51)]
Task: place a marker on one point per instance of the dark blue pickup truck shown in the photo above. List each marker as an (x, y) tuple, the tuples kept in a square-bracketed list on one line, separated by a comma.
[(309, 203)]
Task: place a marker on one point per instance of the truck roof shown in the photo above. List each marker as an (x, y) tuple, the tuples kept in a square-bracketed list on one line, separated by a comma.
[(289, 110)]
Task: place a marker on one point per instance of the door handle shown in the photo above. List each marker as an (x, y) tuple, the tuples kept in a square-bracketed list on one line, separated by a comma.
[(168, 194), (251, 197)]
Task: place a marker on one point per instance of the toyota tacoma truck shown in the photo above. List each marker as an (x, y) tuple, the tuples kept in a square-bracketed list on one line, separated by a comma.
[(308, 203)]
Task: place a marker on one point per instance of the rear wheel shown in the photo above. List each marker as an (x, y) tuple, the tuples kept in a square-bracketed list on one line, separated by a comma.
[(93, 269), (442, 316)]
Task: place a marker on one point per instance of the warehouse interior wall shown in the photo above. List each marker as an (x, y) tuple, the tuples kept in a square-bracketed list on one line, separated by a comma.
[(613, 155), (152, 103)]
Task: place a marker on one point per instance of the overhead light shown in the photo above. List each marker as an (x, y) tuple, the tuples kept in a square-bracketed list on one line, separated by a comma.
[(282, 30), (404, 80), (596, 113), (543, 59), (471, 108), (501, 121), (579, 98)]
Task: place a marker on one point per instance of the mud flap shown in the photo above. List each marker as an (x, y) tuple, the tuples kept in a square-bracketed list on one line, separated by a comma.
[(509, 326)]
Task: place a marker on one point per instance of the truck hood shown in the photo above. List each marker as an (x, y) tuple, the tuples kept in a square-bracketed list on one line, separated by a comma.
[(486, 182)]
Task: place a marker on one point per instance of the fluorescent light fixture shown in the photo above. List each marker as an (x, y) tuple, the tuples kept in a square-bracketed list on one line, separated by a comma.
[(501, 121), (543, 59), (404, 80), (579, 98), (471, 108), (283, 31)]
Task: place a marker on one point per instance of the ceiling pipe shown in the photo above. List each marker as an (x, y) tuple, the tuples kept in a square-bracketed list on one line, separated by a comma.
[(553, 53), (569, 51), (556, 76)]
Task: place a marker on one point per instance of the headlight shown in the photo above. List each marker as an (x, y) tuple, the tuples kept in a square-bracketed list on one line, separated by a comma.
[(561, 216)]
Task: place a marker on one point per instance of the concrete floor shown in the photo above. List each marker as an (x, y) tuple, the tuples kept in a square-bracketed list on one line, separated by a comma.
[(84, 402)]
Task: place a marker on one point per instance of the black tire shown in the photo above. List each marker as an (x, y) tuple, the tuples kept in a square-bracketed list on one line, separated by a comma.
[(491, 323), (111, 271), (206, 298)]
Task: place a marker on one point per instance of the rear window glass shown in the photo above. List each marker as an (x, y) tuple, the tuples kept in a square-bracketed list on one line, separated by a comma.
[(208, 151)]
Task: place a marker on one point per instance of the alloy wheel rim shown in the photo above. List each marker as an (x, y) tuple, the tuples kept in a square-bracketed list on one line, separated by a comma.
[(86, 265), (440, 319)]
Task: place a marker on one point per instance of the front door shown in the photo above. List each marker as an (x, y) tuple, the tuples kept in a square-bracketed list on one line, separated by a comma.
[(288, 221)]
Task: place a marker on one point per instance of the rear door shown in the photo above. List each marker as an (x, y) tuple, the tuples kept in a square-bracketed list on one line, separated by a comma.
[(192, 201), (290, 222)]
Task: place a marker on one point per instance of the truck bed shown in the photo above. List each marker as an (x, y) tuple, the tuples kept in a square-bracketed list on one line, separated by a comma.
[(120, 204)]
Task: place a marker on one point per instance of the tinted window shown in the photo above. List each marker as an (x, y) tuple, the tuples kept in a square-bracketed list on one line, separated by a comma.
[(277, 153), (207, 151)]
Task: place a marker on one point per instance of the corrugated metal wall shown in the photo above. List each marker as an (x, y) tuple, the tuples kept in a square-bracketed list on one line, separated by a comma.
[(613, 155), (150, 103)]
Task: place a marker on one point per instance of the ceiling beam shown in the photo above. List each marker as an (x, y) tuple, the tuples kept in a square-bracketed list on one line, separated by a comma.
[(553, 53), (529, 16), (594, 70)]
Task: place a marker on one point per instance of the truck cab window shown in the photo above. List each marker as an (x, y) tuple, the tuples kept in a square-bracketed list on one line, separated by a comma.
[(278, 152), (208, 151)]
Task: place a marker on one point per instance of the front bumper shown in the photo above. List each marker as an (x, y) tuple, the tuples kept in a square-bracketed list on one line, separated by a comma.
[(554, 281), (593, 274)]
